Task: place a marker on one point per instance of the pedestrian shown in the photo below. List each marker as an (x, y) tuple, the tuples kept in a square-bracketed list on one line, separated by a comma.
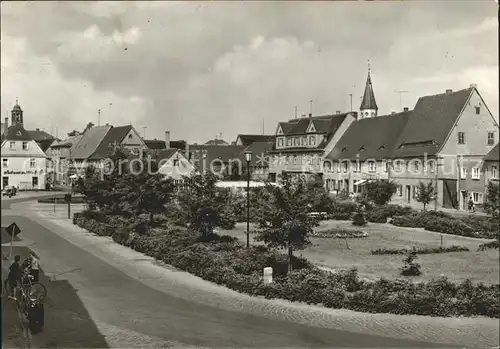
[(14, 276), (34, 266), (471, 204)]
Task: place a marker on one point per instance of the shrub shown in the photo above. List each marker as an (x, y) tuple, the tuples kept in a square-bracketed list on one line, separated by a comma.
[(339, 234), (224, 260), (410, 267), (380, 214), (359, 219), (420, 250), (380, 191)]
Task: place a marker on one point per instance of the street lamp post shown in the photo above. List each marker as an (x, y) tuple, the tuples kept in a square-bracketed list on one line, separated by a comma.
[(248, 158)]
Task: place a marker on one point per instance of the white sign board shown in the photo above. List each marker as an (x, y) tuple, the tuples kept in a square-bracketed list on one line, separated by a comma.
[(268, 275)]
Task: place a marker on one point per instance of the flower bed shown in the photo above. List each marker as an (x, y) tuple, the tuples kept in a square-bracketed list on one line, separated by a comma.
[(225, 261), (340, 234), (420, 250)]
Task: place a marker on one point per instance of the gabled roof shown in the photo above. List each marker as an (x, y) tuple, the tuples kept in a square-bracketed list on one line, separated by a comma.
[(370, 138), (38, 135), (368, 101), (67, 143), (430, 123), (259, 153), (89, 142), (246, 140), (322, 124), (17, 132), (115, 134), (493, 154)]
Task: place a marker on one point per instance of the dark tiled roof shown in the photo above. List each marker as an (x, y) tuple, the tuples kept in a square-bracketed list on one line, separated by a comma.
[(17, 133), (89, 142), (368, 101), (223, 153), (165, 154), (430, 123), (370, 138), (45, 144), (38, 135), (259, 153), (115, 134), (157, 144), (246, 140), (493, 154), (216, 142), (322, 124)]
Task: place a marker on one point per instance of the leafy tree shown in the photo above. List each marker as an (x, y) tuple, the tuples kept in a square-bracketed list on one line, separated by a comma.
[(204, 203), (426, 193), (285, 220), (380, 191), (319, 198), (492, 202)]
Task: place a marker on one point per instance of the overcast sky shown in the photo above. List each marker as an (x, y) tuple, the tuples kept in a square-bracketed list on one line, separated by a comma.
[(199, 69)]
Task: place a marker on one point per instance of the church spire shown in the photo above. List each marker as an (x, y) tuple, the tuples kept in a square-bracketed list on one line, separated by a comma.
[(368, 106), (16, 114)]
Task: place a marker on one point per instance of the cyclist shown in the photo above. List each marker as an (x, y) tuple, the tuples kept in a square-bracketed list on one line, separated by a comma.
[(14, 276)]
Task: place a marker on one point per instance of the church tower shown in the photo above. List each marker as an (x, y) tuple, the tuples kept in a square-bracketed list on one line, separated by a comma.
[(368, 108), (16, 114)]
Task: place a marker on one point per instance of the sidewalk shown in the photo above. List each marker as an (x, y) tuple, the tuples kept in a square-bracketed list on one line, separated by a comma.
[(470, 332)]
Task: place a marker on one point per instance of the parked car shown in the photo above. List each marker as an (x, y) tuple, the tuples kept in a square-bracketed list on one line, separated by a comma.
[(9, 191)]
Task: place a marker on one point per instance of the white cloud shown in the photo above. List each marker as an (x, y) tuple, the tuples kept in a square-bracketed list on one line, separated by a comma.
[(51, 101), (92, 45)]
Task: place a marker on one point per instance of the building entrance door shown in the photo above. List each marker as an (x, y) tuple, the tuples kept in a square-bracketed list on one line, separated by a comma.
[(5, 182), (34, 182), (408, 193)]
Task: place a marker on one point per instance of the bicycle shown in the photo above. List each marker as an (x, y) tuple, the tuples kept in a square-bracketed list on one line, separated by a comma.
[(31, 303)]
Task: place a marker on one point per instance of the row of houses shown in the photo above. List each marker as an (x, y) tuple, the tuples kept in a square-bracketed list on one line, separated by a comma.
[(449, 139)]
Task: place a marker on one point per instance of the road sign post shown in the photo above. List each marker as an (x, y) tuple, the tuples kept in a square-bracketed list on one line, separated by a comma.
[(13, 230), (67, 198)]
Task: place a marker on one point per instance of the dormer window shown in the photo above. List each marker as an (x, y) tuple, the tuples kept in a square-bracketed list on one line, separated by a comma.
[(25, 145), (381, 147), (344, 149), (12, 145), (289, 142), (312, 140), (362, 148), (280, 142)]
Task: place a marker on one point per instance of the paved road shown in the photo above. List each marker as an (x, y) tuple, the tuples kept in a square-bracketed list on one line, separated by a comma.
[(98, 292)]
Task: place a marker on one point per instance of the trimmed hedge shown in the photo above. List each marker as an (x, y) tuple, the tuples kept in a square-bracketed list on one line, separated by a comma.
[(225, 261), (381, 214), (420, 250), (339, 234)]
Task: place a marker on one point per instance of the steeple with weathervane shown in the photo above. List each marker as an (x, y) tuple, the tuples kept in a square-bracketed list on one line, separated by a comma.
[(368, 108), (17, 114)]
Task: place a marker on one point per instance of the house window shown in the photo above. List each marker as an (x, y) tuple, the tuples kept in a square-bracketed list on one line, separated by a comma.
[(416, 165), (415, 191), (358, 166), (289, 142), (345, 166), (303, 140), (386, 168), (477, 197), (12, 145), (312, 140), (25, 145), (176, 162), (339, 184), (398, 166), (5, 162), (372, 166), (280, 142), (431, 165), (461, 137), (296, 141), (494, 172), (463, 173), (475, 173), (327, 166), (296, 159), (335, 167), (32, 163), (478, 110), (491, 138), (400, 190)]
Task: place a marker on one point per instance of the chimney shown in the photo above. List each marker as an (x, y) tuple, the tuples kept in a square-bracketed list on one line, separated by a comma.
[(405, 109), (303, 115), (473, 85), (38, 129), (337, 112), (167, 139), (310, 115), (393, 112), (6, 126), (448, 91)]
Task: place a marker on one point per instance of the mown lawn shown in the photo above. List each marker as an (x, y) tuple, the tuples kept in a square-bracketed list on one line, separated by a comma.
[(457, 266)]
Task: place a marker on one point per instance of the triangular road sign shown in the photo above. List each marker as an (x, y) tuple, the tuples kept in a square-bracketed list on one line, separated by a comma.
[(13, 230)]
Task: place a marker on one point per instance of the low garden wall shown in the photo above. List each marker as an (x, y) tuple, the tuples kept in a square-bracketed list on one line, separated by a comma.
[(225, 261)]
